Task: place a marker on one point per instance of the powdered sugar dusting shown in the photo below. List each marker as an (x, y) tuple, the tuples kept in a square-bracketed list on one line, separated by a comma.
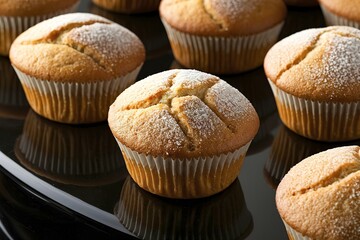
[(189, 79), (200, 117), (109, 40), (341, 62), (230, 103)]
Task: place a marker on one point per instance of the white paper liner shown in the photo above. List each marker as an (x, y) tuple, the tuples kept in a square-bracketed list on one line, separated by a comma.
[(221, 55), (294, 235), (325, 121), (333, 20), (151, 217), (56, 151), (74, 102), (12, 26), (128, 6), (183, 178)]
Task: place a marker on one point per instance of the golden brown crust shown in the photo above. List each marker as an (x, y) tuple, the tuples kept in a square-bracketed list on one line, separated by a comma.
[(302, 3), (320, 196), (183, 113), (224, 17), (77, 47), (322, 65), (33, 7), (344, 8)]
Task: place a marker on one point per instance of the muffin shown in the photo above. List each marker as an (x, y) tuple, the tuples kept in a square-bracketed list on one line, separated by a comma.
[(302, 3), (222, 37), (18, 15), (319, 198), (13, 103), (151, 217), (341, 12), (73, 66), (128, 6), (183, 133), (316, 85), (69, 154)]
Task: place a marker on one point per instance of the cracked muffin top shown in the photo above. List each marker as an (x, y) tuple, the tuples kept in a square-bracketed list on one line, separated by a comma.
[(222, 17), (33, 7), (319, 64), (78, 47), (320, 196), (182, 113)]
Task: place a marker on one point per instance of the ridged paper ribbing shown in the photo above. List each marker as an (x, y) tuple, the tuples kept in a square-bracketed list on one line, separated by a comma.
[(334, 20)]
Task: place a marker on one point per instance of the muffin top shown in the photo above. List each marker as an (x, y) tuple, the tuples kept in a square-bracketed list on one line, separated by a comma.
[(345, 8), (223, 17), (322, 65), (33, 7), (77, 47), (320, 196), (182, 113)]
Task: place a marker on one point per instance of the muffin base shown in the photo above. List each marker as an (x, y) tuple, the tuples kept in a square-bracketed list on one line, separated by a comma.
[(128, 6), (74, 102), (12, 26), (331, 19), (221, 55), (184, 178), (324, 121)]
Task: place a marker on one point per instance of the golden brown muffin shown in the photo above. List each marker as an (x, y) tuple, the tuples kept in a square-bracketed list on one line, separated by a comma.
[(18, 15), (317, 84), (222, 36), (319, 198), (73, 66), (341, 12), (302, 3), (69, 154), (128, 6), (187, 121)]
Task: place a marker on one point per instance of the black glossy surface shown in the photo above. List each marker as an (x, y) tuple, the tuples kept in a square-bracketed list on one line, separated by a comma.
[(77, 174)]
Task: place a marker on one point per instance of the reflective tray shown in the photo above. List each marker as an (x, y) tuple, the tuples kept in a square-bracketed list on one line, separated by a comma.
[(79, 170)]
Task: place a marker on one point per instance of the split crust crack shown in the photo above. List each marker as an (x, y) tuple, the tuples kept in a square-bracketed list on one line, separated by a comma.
[(212, 17), (338, 177), (307, 51), (57, 37), (167, 98)]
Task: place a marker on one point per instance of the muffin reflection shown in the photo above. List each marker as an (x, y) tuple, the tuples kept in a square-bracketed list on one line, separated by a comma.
[(147, 27), (79, 155), (224, 215), (13, 103), (288, 149)]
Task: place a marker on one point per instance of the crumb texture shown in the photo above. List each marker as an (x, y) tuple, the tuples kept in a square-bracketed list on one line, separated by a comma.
[(320, 196), (183, 113), (77, 46), (223, 17), (322, 64)]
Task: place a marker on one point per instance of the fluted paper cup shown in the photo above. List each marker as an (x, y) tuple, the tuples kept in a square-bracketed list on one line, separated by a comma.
[(128, 6), (12, 26), (224, 215), (221, 55), (184, 178), (71, 102), (323, 121), (333, 19), (293, 234)]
